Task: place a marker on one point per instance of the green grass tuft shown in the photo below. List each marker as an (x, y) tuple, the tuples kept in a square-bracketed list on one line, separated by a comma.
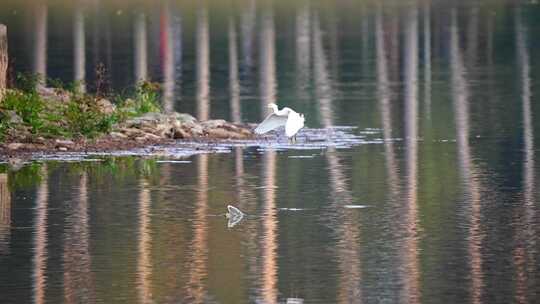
[(80, 115)]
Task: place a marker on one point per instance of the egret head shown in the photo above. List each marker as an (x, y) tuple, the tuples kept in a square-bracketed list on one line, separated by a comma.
[(272, 106)]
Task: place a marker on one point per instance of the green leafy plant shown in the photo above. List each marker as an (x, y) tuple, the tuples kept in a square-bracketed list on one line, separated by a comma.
[(146, 100), (28, 82), (84, 117), (147, 97), (27, 106), (68, 112)]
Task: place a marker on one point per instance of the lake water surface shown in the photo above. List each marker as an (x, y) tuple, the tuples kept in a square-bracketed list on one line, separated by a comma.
[(435, 201)]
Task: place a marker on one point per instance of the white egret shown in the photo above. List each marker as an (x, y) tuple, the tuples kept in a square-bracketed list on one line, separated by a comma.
[(287, 117)]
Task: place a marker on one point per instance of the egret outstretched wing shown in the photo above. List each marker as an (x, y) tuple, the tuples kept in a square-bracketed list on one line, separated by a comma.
[(271, 122), (295, 122)]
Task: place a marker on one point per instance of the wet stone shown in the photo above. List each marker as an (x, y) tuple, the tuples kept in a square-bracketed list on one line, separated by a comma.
[(150, 136), (220, 133), (105, 106), (180, 133), (15, 146), (181, 126), (13, 118), (118, 135), (182, 117), (211, 124), (194, 129), (64, 143), (39, 140), (132, 132)]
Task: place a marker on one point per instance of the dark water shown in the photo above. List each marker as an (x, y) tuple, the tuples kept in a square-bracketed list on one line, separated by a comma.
[(440, 205)]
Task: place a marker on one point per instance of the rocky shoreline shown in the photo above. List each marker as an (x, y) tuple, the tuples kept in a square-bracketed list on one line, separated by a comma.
[(149, 129), (144, 124)]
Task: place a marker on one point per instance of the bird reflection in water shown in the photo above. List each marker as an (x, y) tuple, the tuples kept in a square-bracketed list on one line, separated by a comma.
[(234, 216)]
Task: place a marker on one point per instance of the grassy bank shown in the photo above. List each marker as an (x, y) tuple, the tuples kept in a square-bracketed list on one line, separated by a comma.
[(29, 111), (34, 118)]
